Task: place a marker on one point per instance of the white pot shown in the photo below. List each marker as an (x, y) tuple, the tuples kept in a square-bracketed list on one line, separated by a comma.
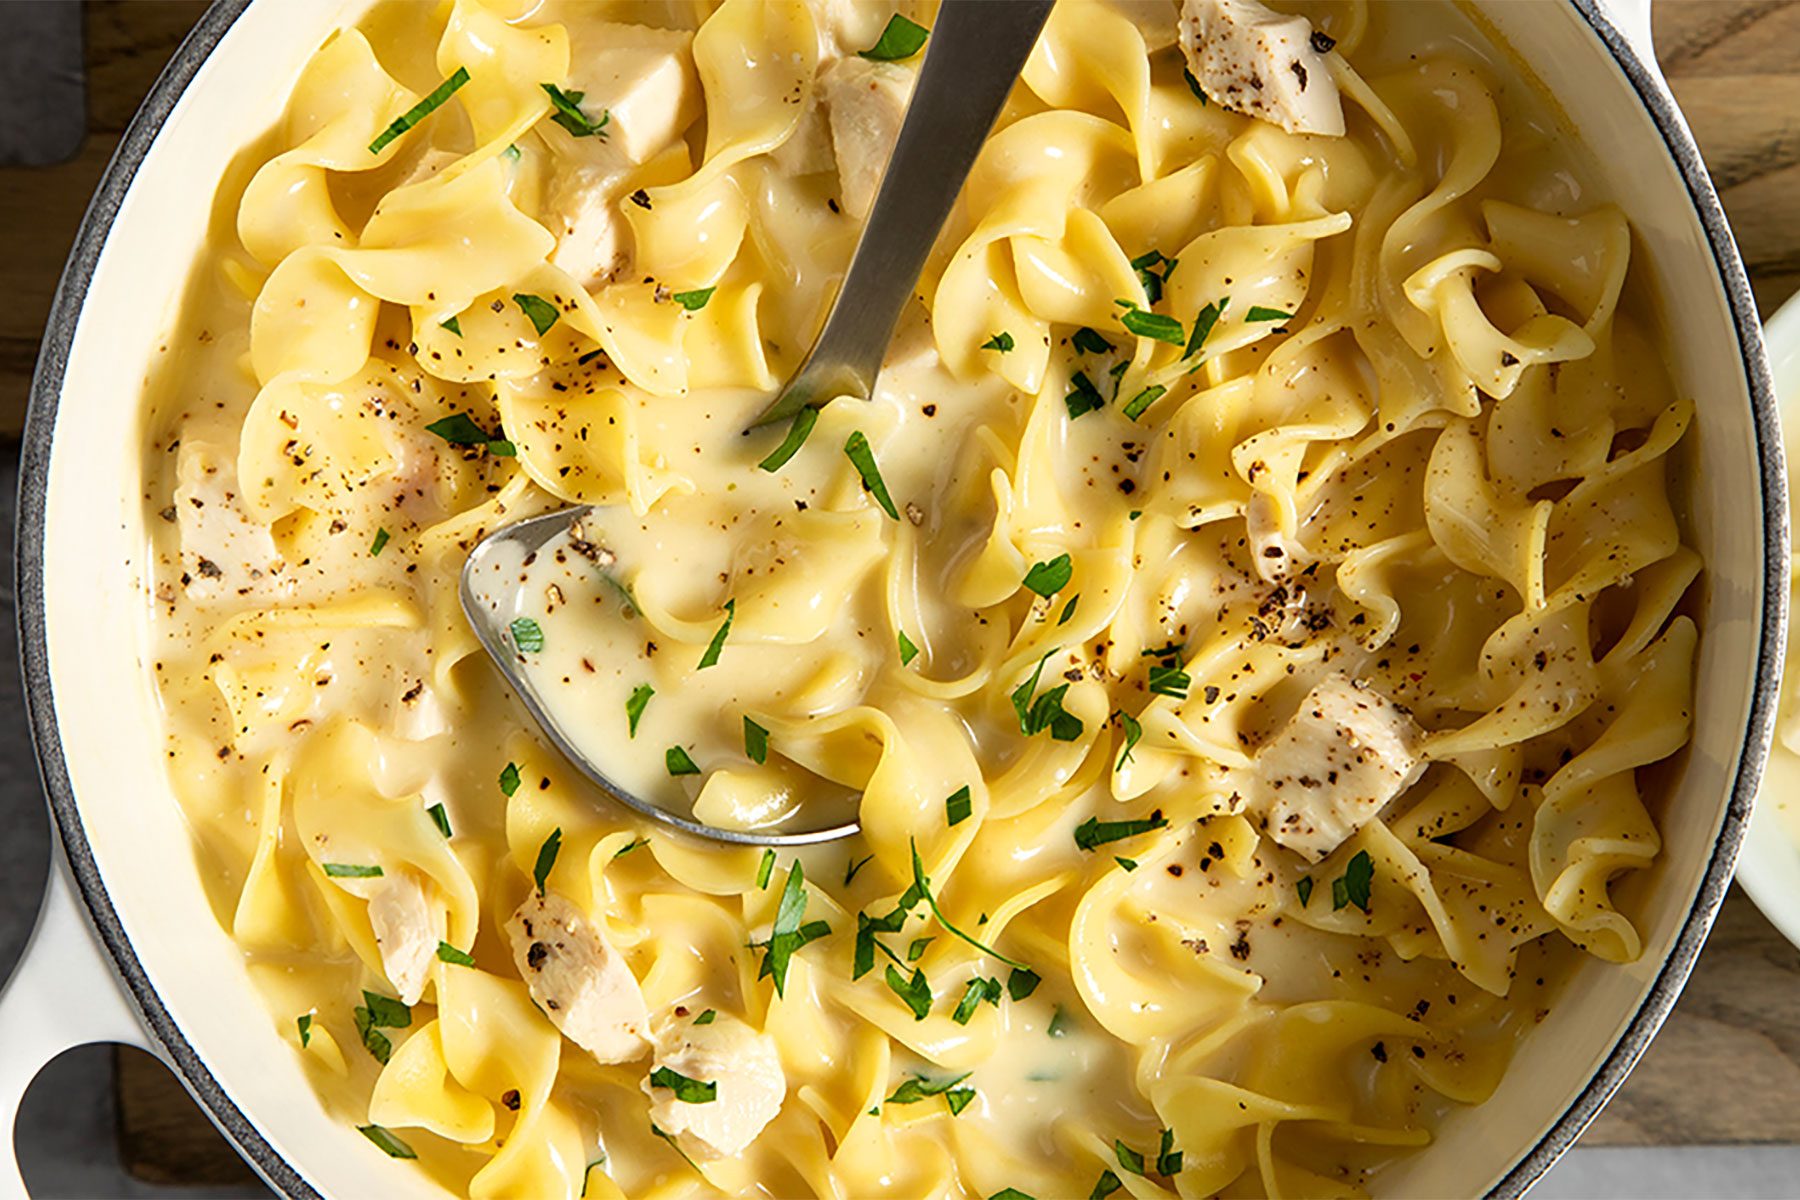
[(155, 968)]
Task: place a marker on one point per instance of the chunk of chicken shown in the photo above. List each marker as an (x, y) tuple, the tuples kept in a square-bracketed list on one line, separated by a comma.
[(1337, 763), (578, 979), (742, 1064), (644, 80), (866, 103), (223, 552), (408, 927), (1253, 60)]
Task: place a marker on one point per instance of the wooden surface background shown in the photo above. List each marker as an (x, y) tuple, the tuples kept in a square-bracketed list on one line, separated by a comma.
[(1726, 1067)]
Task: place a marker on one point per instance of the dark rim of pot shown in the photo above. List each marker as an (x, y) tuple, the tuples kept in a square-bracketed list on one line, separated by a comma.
[(46, 393)]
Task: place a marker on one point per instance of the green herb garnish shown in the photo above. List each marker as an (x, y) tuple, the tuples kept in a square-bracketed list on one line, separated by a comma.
[(978, 990), (1134, 408), (1000, 341), (678, 762), (1152, 280), (1154, 326), (900, 39), (958, 807), (908, 651), (797, 433), (453, 325), (304, 1024), (711, 655), (1095, 832), (440, 818), (390, 1145), (1049, 578), (414, 115), (527, 635), (1106, 1185), (766, 869), (1022, 982), (350, 871), (546, 858), (695, 300), (1130, 1159), (1194, 87), (540, 312), (1167, 679), (568, 114), (635, 705), (756, 741), (1089, 342), (1168, 1159), (379, 544), (1305, 888), (509, 779), (1203, 326), (707, 1017), (917, 1088), (460, 429), (921, 887), (1046, 711), (1356, 883), (1259, 313), (450, 954), (788, 934), (1069, 609), (1134, 731), (1130, 864), (915, 992), (917, 950), (688, 1091), (1083, 396), (852, 868), (858, 451)]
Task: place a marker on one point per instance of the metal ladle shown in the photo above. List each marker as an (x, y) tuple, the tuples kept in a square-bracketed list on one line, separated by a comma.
[(976, 51)]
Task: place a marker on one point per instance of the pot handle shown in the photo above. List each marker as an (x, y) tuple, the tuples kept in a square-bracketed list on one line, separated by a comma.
[(62, 995), (1632, 19)]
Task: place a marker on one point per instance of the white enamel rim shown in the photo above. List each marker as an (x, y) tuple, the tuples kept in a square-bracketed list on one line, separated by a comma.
[(86, 979)]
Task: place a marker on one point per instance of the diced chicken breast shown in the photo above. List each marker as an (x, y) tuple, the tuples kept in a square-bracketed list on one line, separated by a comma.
[(1253, 60), (866, 102), (583, 985), (223, 552), (742, 1064), (1337, 763), (642, 78), (408, 927)]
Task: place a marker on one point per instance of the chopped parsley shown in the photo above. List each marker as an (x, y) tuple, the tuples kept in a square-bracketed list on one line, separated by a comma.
[(1130, 864), (390, 1145), (378, 1012), (1128, 1158), (1168, 1159), (527, 635), (453, 325), (1134, 732), (1083, 396), (635, 705), (797, 433), (546, 858), (460, 429), (1203, 326), (1022, 982), (628, 847), (350, 871), (1146, 267), (568, 114), (1088, 342), (908, 651), (915, 992), (450, 954), (921, 887), (1355, 884), (695, 300), (1049, 578), (1134, 408), (304, 1024), (1046, 711), (917, 950), (1154, 326), (688, 1091), (379, 544), (856, 865), (509, 779), (1069, 609), (900, 39), (1011, 1193), (707, 1017), (1095, 832), (979, 990), (711, 655), (540, 312), (1106, 1185), (756, 741), (917, 1088), (1259, 313), (414, 115), (678, 762), (857, 450), (1000, 341), (788, 934), (958, 807), (1167, 679), (1305, 888), (959, 1099), (766, 869)]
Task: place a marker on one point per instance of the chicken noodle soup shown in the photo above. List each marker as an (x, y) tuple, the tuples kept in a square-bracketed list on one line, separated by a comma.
[(1236, 623)]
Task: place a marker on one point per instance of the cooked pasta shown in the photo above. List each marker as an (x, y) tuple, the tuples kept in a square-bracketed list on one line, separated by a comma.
[(1237, 622)]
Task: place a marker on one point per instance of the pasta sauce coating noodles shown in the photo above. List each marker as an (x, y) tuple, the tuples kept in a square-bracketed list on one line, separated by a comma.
[(1238, 622)]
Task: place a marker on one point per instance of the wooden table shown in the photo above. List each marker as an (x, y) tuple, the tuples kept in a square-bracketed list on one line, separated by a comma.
[(1727, 1066)]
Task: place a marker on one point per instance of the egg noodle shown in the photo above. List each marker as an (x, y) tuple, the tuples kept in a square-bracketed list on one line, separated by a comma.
[(1192, 414)]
